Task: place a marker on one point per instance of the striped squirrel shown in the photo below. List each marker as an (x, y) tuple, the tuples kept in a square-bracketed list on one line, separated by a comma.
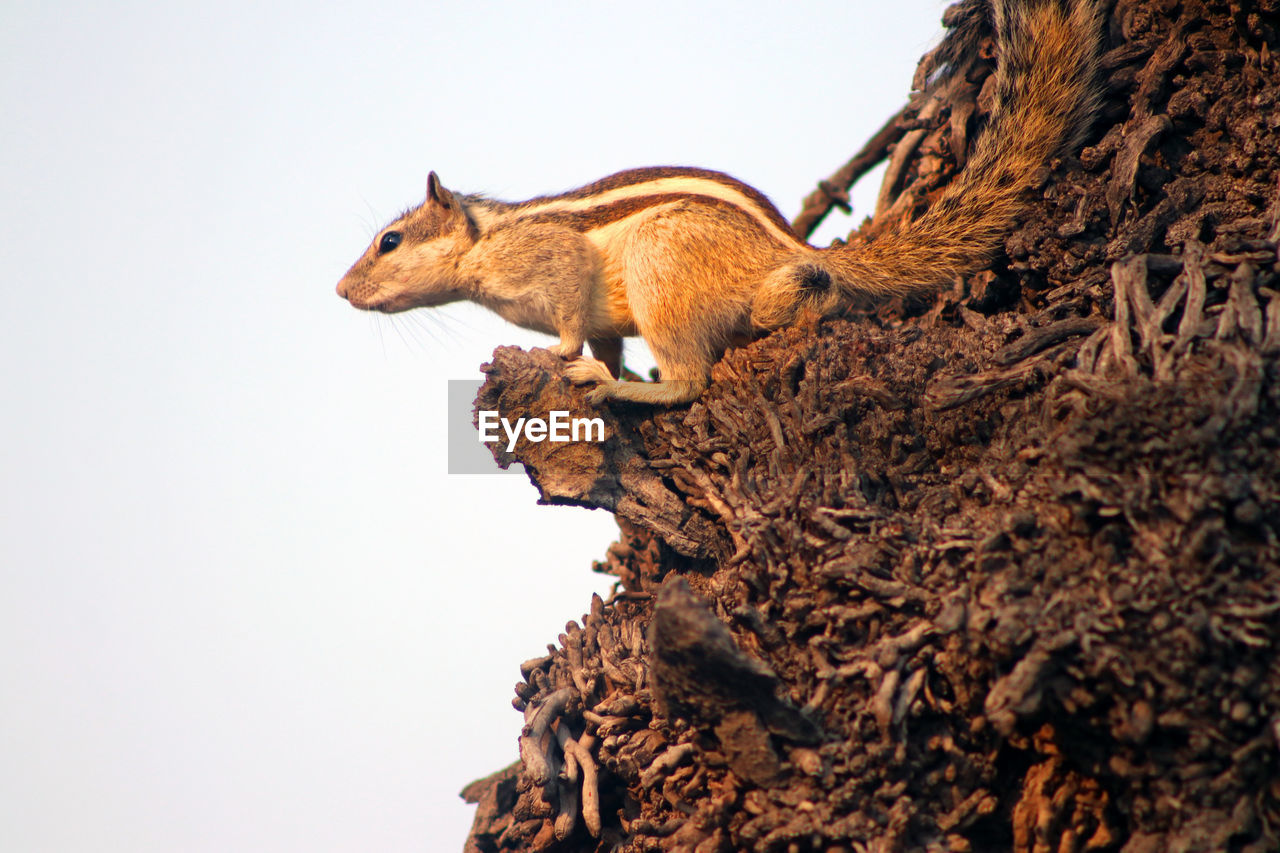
[(694, 261)]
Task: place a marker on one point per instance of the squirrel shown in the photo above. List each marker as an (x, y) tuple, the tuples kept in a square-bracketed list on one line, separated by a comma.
[(695, 261)]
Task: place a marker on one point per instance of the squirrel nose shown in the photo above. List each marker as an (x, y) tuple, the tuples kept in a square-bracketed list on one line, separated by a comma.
[(342, 288)]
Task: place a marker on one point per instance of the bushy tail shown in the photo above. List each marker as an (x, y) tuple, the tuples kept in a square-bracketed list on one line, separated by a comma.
[(1046, 96)]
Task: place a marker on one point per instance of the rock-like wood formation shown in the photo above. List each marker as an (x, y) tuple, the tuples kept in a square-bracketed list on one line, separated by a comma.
[(996, 571)]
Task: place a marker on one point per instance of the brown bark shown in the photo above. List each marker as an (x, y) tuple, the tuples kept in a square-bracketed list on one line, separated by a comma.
[(996, 572)]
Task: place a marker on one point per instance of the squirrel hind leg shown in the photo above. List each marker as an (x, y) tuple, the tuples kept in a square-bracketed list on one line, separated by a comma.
[(684, 372), (667, 392)]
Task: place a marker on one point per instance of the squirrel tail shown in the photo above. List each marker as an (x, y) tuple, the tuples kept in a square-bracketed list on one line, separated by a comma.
[(1046, 96)]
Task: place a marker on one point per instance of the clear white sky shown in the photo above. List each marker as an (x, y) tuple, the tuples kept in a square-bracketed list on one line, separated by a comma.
[(242, 606)]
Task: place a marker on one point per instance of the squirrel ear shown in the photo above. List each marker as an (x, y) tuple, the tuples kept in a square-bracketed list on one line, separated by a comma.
[(436, 192)]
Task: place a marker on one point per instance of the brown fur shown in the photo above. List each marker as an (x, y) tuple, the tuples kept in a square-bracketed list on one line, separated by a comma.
[(693, 260), (631, 177)]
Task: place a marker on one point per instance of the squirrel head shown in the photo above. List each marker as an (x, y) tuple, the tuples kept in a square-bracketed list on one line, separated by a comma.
[(413, 261)]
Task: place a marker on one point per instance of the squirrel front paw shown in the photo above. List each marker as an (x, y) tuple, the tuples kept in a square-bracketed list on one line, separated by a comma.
[(585, 371)]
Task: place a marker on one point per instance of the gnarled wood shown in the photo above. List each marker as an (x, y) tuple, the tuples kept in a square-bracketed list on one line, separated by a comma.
[(1014, 555)]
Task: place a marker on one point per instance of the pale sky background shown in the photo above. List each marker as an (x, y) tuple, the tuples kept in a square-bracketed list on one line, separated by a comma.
[(242, 606)]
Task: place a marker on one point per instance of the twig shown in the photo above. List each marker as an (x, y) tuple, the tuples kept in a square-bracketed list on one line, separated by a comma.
[(590, 787), (834, 191), (665, 762), (534, 740)]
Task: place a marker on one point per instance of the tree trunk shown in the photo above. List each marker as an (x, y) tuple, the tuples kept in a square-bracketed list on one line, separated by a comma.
[(995, 571)]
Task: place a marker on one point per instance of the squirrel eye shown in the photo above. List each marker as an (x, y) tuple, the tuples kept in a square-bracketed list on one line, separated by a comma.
[(389, 241)]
